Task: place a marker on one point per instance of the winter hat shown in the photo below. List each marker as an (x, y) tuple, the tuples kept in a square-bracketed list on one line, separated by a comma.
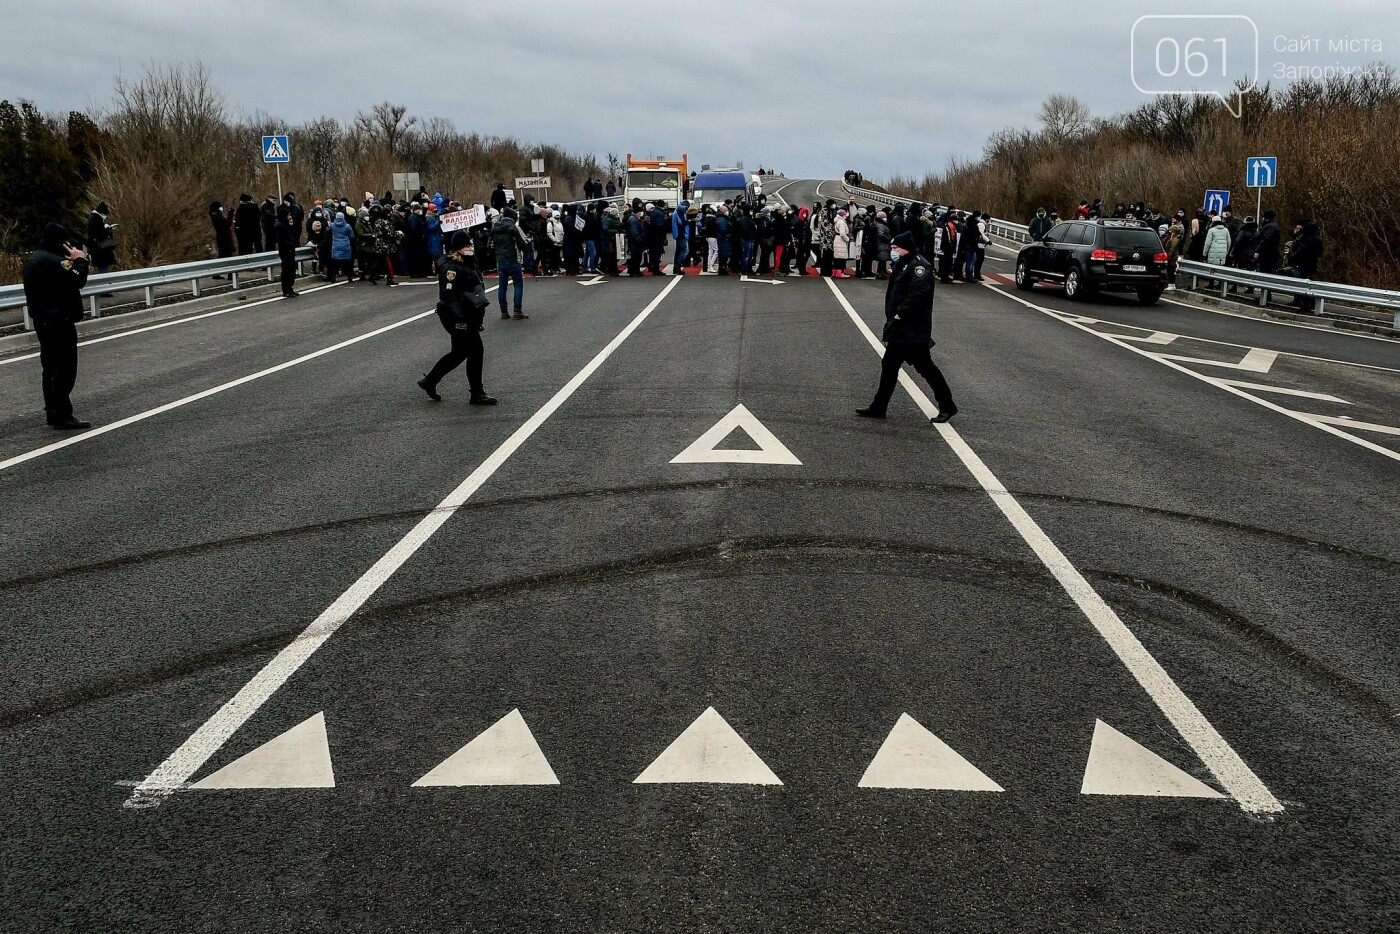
[(340, 217), (905, 242), (460, 239)]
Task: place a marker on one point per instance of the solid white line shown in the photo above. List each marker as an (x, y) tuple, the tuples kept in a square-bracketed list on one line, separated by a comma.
[(203, 394), (1343, 420), (1286, 324), (1211, 380), (1257, 360), (1282, 391), (172, 323), (1224, 763), (173, 774)]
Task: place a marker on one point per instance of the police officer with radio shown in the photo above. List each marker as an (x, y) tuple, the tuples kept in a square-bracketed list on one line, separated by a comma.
[(461, 306), (53, 282), (909, 330)]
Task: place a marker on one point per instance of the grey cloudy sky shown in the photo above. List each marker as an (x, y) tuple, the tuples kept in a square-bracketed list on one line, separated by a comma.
[(810, 88)]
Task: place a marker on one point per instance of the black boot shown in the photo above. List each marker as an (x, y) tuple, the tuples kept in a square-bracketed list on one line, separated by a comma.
[(481, 398), (429, 388), (870, 412), (944, 414)]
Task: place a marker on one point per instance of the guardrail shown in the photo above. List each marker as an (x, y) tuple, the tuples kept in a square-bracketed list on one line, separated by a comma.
[(1267, 283), (126, 280)]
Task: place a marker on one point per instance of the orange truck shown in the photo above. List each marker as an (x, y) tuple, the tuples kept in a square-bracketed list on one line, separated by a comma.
[(655, 179)]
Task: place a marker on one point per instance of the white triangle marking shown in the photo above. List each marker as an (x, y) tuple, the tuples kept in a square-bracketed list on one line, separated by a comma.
[(912, 757), (1121, 766), (703, 451), (298, 758), (710, 752), (505, 753)]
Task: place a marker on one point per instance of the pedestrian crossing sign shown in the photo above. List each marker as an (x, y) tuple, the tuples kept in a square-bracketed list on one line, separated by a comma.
[(276, 149)]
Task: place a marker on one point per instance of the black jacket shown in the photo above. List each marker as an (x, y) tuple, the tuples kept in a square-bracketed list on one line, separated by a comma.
[(457, 280), (1270, 239), (100, 242), (910, 296), (1307, 251), (247, 220), (284, 233), (52, 282)]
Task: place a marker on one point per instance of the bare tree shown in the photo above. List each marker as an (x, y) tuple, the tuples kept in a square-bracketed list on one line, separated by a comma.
[(386, 123), (1064, 117)]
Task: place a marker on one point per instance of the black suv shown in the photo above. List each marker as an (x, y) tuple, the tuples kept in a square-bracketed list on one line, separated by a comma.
[(1099, 255)]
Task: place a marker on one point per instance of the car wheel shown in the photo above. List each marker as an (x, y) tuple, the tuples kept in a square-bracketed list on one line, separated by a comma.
[(1074, 287), (1149, 296), (1024, 280)]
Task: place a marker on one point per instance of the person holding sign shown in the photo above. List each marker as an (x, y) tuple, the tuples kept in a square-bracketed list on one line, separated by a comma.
[(461, 306)]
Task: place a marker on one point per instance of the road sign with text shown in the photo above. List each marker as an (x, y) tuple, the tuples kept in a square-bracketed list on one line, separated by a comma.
[(1261, 172), (534, 181), (277, 149)]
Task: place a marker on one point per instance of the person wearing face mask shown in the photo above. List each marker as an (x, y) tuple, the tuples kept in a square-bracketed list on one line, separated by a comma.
[(909, 330), (53, 280), (461, 307), (1040, 225)]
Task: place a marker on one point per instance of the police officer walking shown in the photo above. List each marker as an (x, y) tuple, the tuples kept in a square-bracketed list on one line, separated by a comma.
[(909, 330), (461, 307), (53, 282)]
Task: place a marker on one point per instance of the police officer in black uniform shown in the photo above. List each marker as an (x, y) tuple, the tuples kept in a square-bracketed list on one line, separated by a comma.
[(461, 317), (909, 330), (53, 282)]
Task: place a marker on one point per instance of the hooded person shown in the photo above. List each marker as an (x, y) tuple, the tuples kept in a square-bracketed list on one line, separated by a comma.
[(908, 330), (223, 231), (681, 232), (54, 277), (342, 254), (101, 242), (247, 225), (461, 308)]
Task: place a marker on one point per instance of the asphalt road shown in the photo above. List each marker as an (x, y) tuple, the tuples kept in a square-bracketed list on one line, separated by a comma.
[(1119, 572)]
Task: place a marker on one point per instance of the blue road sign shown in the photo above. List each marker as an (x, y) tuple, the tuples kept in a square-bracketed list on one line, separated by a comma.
[(1215, 201), (276, 149), (1261, 172)]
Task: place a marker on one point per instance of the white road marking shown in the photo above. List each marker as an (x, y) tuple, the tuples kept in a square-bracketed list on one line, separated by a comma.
[(1286, 324), (298, 758), (771, 450), (1217, 754), (764, 281), (1257, 360), (171, 774), (1282, 391), (912, 757), (708, 752), (505, 753), (595, 280), (1120, 766), (100, 430), (170, 324), (1211, 380), (1351, 423), (1156, 337)]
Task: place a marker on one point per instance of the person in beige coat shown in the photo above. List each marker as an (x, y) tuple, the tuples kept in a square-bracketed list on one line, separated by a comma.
[(841, 246)]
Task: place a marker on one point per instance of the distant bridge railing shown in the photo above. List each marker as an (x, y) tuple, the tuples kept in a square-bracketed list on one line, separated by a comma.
[(1018, 233), (127, 280), (1266, 283)]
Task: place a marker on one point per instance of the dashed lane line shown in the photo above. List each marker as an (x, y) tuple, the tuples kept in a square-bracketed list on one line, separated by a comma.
[(174, 773), (1219, 756), (101, 430), (170, 324), (1224, 385)]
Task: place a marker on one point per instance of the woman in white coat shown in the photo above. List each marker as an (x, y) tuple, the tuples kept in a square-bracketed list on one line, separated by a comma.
[(1217, 246), (841, 246)]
